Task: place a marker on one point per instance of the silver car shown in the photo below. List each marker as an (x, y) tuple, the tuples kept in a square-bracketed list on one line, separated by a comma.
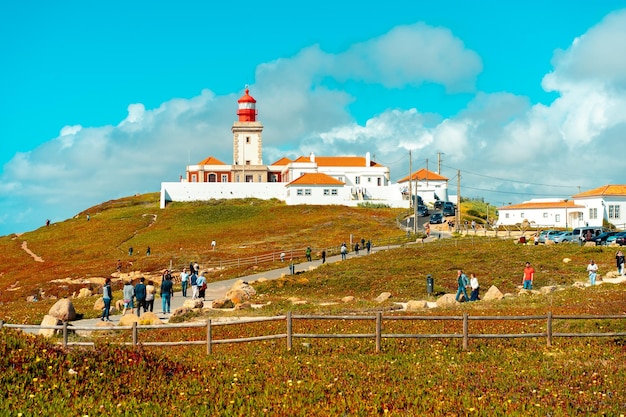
[(563, 237)]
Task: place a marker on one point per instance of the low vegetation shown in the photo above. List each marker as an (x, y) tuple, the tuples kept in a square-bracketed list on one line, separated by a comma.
[(518, 377)]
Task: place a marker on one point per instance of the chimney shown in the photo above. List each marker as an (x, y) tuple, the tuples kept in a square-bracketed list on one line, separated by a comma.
[(367, 159), (312, 157)]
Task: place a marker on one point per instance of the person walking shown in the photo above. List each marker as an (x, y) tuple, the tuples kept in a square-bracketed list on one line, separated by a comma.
[(475, 287), (323, 256), (140, 295), (130, 251), (356, 248), (619, 260), (344, 251), (368, 245), (463, 283), (150, 291), (107, 297), (148, 251), (184, 281), (129, 292), (167, 292), (193, 281), (201, 284), (308, 253), (529, 276), (592, 270)]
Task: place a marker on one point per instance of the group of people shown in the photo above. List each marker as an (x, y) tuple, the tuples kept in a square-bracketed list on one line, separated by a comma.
[(194, 279), (592, 267), (463, 283), (140, 296), (131, 250)]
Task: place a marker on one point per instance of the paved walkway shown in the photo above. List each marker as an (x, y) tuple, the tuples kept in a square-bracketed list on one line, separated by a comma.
[(217, 290)]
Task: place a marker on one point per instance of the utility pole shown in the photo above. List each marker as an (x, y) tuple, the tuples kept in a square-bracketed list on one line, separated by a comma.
[(457, 217), (439, 162), (410, 182), (427, 173)]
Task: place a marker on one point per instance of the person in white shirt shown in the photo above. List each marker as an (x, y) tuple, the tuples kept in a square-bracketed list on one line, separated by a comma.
[(184, 281), (475, 287), (592, 269)]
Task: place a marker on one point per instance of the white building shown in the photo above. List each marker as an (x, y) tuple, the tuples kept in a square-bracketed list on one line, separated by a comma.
[(589, 208), (346, 180)]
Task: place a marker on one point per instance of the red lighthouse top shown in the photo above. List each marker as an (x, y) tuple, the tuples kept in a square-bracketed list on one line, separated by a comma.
[(247, 108)]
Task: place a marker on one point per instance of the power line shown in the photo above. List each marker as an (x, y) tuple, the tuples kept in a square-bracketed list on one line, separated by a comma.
[(515, 181), (513, 192)]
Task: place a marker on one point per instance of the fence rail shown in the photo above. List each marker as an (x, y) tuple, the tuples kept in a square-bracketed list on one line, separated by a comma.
[(289, 335)]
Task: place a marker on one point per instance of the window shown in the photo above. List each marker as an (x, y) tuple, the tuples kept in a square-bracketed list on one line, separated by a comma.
[(248, 162), (545, 215), (369, 179), (224, 177), (333, 192), (194, 178), (380, 182), (249, 178), (307, 191), (326, 191), (593, 213), (260, 178), (580, 216), (357, 180), (340, 179), (300, 191), (506, 215), (557, 218), (247, 139), (617, 213), (611, 212), (521, 214)]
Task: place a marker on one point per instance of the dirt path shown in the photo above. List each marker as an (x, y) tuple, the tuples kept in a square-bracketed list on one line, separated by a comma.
[(28, 251)]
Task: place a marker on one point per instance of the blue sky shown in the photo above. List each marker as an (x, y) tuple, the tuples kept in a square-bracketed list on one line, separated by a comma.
[(101, 100)]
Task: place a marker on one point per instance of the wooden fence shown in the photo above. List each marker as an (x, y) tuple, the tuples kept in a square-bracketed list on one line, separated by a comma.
[(376, 334)]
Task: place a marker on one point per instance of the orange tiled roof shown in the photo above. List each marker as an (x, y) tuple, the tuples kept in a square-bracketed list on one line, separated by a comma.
[(282, 161), (530, 205), (211, 161), (605, 190), (424, 174), (338, 161), (315, 178)]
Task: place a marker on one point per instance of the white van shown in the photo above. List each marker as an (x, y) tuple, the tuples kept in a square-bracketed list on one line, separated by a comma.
[(583, 234)]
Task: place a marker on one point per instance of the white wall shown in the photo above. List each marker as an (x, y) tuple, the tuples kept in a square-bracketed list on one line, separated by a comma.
[(203, 191)]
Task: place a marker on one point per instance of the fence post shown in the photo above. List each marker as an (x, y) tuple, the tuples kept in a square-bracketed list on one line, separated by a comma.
[(64, 334), (465, 331), (209, 348), (135, 333), (289, 330), (549, 329), (379, 328)]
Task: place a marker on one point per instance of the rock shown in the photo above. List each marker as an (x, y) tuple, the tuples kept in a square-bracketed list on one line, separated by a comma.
[(84, 292), (347, 299), (181, 311), (261, 280), (566, 260), (226, 303), (548, 289), (191, 304), (49, 320), (384, 296), (99, 304), (149, 318), (493, 293), (446, 300), (32, 299), (128, 319), (63, 310), (612, 274), (240, 291), (414, 305), (243, 306), (523, 292)]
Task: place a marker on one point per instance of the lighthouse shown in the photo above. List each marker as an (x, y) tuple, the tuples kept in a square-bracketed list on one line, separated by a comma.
[(247, 142)]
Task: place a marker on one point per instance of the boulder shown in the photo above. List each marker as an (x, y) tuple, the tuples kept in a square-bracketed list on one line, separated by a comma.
[(384, 296), (99, 304), (181, 311), (547, 289), (446, 300), (191, 304), (63, 310), (149, 318), (414, 305), (224, 303), (240, 291), (347, 299), (566, 260), (128, 319), (84, 292), (493, 293), (49, 320), (243, 306)]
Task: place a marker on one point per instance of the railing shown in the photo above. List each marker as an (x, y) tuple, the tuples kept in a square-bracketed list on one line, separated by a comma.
[(377, 333)]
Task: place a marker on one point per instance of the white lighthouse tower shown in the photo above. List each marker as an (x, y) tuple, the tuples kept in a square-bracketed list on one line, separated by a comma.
[(248, 143)]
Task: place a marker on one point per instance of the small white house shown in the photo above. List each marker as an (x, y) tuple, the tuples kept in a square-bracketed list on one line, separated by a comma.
[(589, 208), (316, 188)]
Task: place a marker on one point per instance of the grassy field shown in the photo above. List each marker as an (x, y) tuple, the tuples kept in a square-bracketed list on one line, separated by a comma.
[(325, 377)]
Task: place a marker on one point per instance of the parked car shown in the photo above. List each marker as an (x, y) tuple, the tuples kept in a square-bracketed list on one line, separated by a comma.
[(563, 237), (436, 218), (548, 235), (621, 238), (422, 211), (448, 209), (587, 233), (602, 237), (613, 239), (438, 204)]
